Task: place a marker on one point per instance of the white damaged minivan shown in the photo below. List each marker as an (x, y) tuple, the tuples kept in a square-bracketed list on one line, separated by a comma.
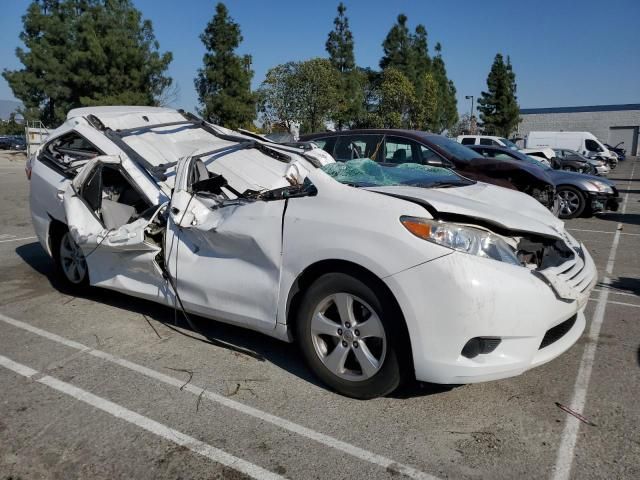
[(380, 273)]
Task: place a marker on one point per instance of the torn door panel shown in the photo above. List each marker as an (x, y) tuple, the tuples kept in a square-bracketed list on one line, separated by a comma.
[(117, 241), (232, 270), (225, 255)]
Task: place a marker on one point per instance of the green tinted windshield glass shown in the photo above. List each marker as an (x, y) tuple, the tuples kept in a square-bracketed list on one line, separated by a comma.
[(367, 173)]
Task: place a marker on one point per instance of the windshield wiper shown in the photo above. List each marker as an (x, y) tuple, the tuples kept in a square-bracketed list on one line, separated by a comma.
[(449, 184)]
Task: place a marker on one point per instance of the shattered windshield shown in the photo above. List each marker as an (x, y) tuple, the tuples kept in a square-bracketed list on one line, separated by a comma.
[(367, 173)]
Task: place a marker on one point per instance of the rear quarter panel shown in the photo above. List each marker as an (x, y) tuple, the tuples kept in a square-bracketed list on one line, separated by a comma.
[(45, 201)]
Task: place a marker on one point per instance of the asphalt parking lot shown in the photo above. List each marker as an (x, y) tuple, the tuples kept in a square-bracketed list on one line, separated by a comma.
[(108, 386)]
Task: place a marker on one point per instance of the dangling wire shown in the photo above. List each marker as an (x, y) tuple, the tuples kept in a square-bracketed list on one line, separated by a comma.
[(174, 287)]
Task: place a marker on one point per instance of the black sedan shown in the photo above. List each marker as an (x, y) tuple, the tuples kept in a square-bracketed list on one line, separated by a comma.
[(393, 147)]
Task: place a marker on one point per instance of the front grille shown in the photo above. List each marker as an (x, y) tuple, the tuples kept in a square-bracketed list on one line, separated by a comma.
[(576, 274), (556, 333)]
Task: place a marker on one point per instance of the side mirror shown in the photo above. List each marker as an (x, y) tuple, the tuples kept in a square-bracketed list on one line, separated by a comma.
[(439, 162)]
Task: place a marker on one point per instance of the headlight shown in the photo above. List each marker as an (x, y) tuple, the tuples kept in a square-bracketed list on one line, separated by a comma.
[(600, 186), (462, 238)]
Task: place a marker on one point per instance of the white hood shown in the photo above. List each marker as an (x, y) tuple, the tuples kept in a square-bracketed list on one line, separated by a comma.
[(501, 206)]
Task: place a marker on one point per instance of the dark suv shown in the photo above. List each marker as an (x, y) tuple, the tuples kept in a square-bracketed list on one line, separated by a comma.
[(391, 146)]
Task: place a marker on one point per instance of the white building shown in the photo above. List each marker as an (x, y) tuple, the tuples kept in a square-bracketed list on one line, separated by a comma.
[(612, 124)]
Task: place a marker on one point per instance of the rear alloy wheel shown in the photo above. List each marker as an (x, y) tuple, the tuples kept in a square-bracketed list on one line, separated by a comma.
[(70, 261), (572, 202), (345, 334)]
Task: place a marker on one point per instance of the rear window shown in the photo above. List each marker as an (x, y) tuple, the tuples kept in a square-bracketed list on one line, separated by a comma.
[(68, 153), (468, 141), (352, 147)]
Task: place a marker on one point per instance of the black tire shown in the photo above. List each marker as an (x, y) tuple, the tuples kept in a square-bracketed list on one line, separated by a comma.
[(59, 240), (572, 202), (393, 368)]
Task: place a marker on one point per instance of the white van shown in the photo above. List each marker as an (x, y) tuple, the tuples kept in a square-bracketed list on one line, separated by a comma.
[(486, 140), (583, 142)]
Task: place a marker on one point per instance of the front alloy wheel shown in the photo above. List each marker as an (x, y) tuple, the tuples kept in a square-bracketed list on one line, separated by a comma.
[(572, 202), (352, 337), (348, 337)]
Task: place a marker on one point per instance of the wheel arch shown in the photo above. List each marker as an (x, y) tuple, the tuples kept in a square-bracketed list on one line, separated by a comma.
[(572, 186), (314, 271), (56, 230)]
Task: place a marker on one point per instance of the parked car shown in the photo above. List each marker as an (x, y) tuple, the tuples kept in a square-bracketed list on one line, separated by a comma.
[(584, 142), (575, 162), (563, 161), (392, 147), (12, 142), (578, 194), (544, 155), (486, 140), (618, 150), (378, 272)]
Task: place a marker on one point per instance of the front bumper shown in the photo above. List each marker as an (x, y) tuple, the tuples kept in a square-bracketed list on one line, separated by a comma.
[(604, 201), (450, 300)]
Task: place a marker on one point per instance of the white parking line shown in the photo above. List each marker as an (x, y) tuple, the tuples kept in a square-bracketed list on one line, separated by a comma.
[(566, 451), (143, 422), (321, 438), (614, 292), (17, 239), (586, 230), (603, 231)]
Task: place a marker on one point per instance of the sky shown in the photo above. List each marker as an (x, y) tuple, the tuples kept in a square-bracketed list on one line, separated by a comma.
[(564, 52)]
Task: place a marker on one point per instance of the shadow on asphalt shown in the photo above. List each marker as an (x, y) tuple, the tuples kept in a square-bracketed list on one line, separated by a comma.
[(626, 284), (626, 218), (239, 340)]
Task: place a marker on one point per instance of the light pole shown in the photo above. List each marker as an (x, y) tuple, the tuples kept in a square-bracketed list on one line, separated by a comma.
[(470, 97)]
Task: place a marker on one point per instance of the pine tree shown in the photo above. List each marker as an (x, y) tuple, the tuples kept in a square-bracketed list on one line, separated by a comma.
[(421, 62), (397, 48), (224, 82), (340, 43), (340, 48), (89, 52), (409, 54), (498, 106), (447, 105)]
